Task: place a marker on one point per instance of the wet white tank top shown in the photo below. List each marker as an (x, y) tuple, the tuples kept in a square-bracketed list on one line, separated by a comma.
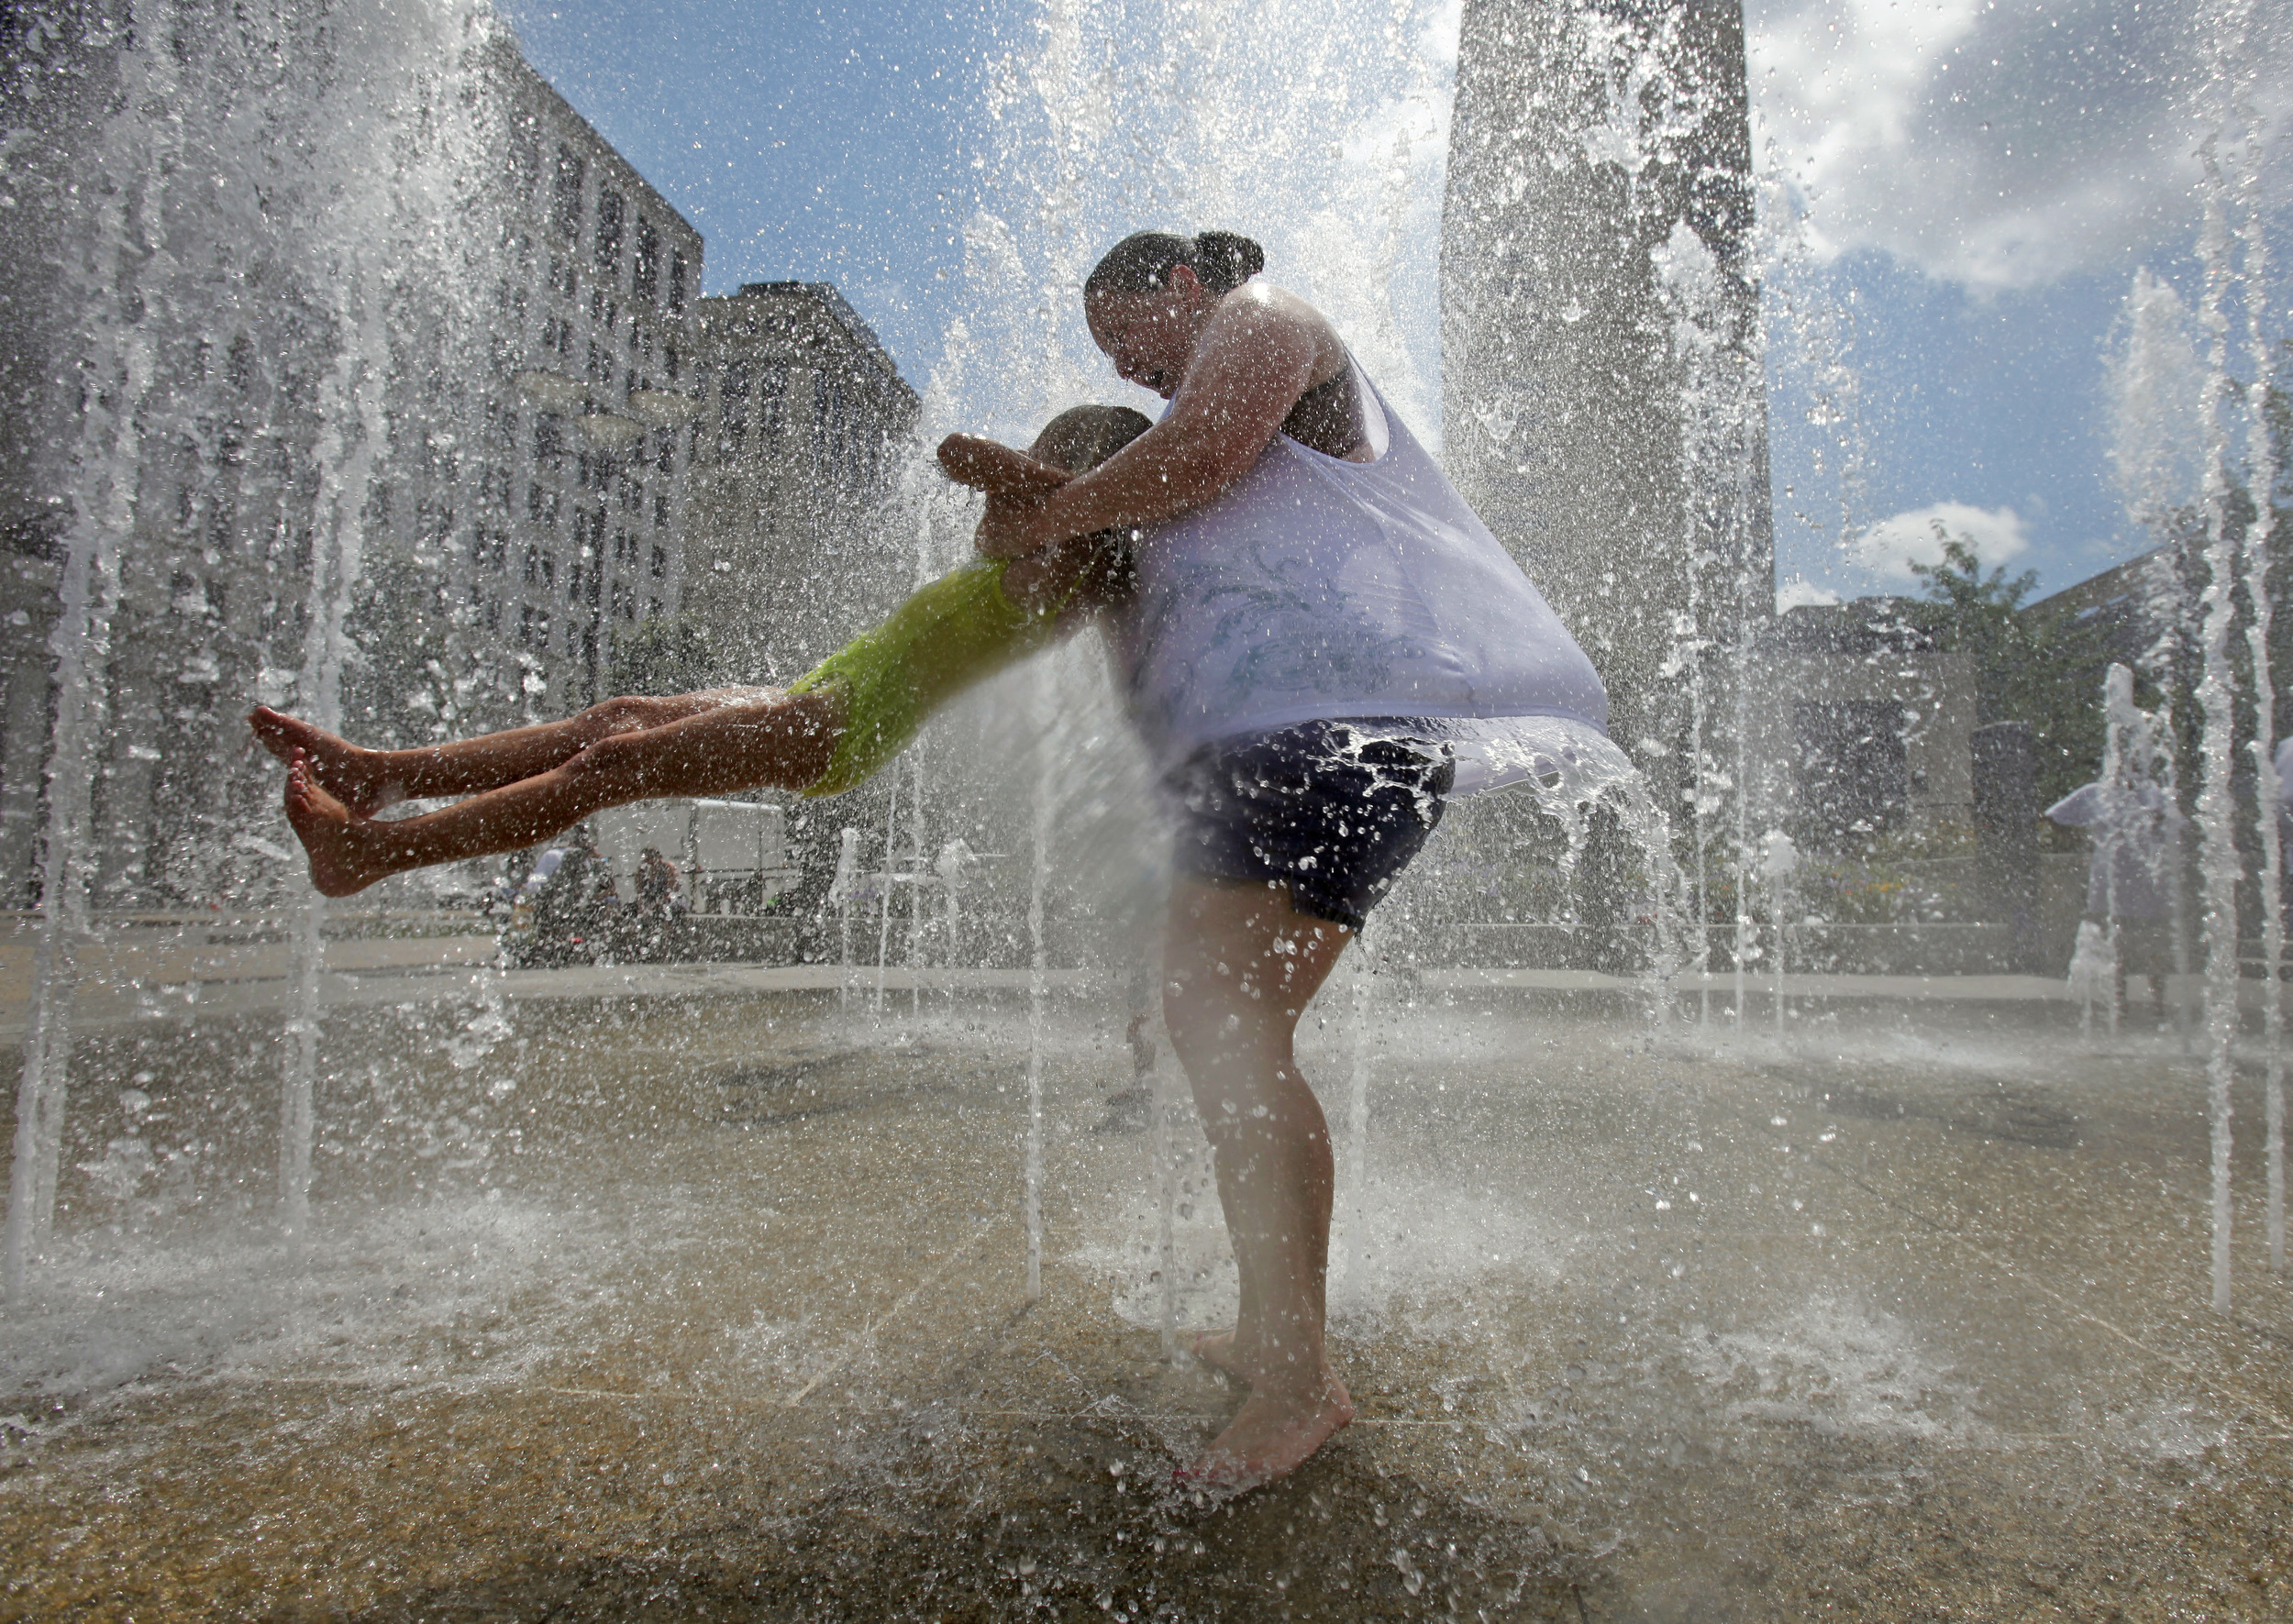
[(1316, 589)]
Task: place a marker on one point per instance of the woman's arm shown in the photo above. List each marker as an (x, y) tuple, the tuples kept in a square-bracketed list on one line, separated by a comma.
[(1256, 356)]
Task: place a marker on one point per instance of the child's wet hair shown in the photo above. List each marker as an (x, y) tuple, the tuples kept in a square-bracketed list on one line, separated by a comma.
[(1081, 438)]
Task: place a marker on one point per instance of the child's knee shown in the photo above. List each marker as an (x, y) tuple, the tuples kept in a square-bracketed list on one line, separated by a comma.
[(625, 714), (610, 759)]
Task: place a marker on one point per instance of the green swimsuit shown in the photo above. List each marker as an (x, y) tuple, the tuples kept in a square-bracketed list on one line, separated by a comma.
[(960, 630)]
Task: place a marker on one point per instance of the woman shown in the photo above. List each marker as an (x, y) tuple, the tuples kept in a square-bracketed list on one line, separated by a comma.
[(1318, 628), (829, 732)]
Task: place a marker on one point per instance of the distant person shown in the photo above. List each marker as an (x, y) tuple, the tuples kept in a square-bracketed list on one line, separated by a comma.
[(657, 884)]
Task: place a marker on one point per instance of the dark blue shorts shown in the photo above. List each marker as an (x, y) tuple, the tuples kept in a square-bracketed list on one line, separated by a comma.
[(1333, 810)]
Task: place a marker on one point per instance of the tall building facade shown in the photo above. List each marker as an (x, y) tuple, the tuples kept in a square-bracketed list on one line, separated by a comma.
[(348, 370), (505, 555), (802, 427), (1604, 401)]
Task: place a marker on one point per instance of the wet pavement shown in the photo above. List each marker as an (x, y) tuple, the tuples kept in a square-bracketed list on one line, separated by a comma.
[(679, 1307)]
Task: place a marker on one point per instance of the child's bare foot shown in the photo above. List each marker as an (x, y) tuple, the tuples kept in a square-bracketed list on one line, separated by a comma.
[(352, 775), (1213, 1348), (329, 833), (1271, 1436)]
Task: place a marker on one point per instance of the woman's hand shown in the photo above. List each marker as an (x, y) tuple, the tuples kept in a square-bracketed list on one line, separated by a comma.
[(987, 465), (1015, 484), (1011, 527)]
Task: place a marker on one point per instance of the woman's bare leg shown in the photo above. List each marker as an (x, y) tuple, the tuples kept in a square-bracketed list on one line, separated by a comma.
[(365, 782), (1242, 964), (782, 741)]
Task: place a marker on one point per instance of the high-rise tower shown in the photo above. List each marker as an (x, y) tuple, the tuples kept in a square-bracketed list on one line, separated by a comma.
[(1604, 405)]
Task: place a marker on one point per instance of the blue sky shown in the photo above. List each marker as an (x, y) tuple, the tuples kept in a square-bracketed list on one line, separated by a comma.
[(1976, 184)]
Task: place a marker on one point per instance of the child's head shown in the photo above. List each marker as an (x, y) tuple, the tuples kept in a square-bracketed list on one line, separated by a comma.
[(1081, 438)]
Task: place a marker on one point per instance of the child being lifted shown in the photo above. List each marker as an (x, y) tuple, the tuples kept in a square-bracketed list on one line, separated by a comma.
[(831, 731)]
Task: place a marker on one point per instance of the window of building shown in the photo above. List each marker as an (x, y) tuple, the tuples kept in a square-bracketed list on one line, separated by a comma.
[(524, 159), (772, 401), (548, 436), (653, 609), (599, 371), (660, 563), (609, 234), (676, 282), (565, 198), (661, 509), (665, 451), (433, 523), (668, 362), (733, 408), (645, 269)]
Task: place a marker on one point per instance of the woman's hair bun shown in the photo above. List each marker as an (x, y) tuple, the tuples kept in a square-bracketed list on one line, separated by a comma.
[(1142, 262), (1225, 259)]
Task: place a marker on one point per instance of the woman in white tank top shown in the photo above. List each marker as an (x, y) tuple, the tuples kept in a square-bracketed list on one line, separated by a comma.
[(1322, 642)]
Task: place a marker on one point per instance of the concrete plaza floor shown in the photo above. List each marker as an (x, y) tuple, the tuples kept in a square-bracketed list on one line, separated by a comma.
[(673, 1307)]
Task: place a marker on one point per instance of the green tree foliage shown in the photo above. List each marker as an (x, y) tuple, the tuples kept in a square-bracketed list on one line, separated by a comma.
[(2042, 671), (661, 656)]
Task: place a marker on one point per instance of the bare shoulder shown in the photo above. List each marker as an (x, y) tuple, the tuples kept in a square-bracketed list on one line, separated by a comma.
[(1262, 305), (1263, 314)]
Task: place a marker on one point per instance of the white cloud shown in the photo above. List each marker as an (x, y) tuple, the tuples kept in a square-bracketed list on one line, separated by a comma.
[(1893, 545), (2000, 145), (1800, 592), (1437, 41)]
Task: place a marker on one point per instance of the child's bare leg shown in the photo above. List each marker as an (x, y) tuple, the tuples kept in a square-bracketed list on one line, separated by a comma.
[(364, 782), (784, 742)]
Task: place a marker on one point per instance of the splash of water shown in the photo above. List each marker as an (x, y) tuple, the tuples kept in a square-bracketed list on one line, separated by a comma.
[(2216, 807), (133, 154), (2262, 477)]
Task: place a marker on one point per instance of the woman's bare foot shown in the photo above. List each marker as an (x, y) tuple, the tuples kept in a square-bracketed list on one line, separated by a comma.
[(1213, 1348), (1271, 1436), (331, 834), (353, 777)]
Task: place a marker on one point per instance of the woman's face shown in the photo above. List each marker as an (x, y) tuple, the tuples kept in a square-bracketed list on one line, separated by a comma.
[(1149, 335)]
